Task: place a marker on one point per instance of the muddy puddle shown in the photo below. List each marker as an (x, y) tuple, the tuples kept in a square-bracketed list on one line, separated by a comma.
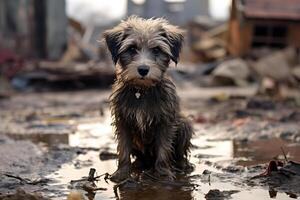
[(218, 165), (80, 138)]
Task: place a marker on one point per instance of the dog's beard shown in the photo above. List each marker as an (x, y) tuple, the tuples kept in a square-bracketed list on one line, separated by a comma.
[(139, 81), (145, 82), (128, 76)]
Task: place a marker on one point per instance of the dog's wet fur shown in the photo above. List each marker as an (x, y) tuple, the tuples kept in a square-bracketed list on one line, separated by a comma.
[(145, 107)]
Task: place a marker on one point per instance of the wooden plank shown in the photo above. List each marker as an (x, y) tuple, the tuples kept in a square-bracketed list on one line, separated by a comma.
[(293, 35)]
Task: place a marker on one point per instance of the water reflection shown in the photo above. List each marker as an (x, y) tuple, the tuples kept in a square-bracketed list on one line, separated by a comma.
[(262, 151), (98, 134), (155, 193)]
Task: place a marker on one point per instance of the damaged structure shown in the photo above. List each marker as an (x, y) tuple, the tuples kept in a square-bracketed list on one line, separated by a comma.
[(34, 28), (263, 23)]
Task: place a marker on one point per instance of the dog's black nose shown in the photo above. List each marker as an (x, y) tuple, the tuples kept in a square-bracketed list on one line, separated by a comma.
[(143, 70)]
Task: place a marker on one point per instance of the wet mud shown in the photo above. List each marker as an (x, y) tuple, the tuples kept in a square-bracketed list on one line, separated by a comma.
[(50, 140)]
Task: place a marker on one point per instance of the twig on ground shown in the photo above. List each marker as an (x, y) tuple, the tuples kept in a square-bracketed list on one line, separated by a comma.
[(88, 183), (26, 180), (91, 177), (284, 154)]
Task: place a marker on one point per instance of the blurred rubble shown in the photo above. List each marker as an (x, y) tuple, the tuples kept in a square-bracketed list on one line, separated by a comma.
[(276, 69), (235, 71), (61, 76), (21, 194), (207, 38), (30, 28), (272, 70), (37, 54), (207, 61)]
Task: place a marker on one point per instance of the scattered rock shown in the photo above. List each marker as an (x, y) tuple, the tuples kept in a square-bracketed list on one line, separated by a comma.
[(75, 195), (292, 117), (233, 169), (106, 155), (242, 114), (275, 65), (260, 104), (206, 172), (290, 135), (203, 156), (296, 72), (258, 53), (235, 70), (268, 86), (219, 195), (245, 114), (23, 195), (292, 167)]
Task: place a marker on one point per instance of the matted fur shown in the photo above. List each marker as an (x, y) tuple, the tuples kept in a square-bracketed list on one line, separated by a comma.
[(151, 127)]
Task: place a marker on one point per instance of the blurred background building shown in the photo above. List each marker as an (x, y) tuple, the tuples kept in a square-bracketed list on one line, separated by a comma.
[(59, 41), (38, 28), (34, 28)]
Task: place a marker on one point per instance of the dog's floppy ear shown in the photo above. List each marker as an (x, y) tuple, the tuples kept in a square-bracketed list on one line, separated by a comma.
[(113, 39), (175, 37)]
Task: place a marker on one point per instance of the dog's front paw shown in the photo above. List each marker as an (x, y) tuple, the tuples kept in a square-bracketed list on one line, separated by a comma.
[(185, 167), (120, 175), (164, 173)]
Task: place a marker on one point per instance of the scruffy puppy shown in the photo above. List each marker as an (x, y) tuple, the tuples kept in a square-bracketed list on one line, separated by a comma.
[(144, 104)]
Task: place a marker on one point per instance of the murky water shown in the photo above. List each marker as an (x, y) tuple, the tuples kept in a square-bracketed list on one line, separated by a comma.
[(223, 164), (209, 155)]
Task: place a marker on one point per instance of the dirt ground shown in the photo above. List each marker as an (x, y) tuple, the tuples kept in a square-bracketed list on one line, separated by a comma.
[(50, 139)]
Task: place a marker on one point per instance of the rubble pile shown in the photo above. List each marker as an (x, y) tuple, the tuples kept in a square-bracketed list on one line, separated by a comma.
[(206, 62)]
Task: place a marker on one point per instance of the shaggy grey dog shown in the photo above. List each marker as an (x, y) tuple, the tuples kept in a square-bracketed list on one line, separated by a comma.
[(144, 104)]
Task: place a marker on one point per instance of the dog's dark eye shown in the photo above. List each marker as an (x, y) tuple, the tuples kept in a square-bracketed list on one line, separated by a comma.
[(156, 50), (132, 50)]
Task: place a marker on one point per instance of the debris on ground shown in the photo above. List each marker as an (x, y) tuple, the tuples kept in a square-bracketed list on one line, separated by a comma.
[(296, 72), (75, 195), (232, 72), (88, 183), (106, 155), (90, 144), (293, 116), (62, 76), (27, 180), (288, 169), (219, 195), (21, 194), (281, 62), (281, 175), (272, 78), (208, 39), (260, 104)]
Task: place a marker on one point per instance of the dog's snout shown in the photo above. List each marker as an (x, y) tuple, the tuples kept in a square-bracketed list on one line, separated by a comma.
[(143, 70)]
